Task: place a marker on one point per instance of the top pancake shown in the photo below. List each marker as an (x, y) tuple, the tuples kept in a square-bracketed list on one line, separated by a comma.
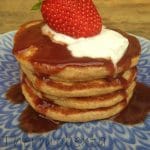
[(39, 54)]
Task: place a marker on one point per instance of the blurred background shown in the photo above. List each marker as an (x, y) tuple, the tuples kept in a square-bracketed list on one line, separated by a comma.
[(129, 15)]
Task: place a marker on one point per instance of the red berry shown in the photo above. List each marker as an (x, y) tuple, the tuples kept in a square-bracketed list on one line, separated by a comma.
[(76, 18)]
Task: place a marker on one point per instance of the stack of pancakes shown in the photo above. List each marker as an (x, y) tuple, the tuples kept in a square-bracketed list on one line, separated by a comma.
[(70, 89)]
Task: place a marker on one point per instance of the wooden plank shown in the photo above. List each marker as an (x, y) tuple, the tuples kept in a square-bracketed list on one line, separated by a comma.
[(129, 15)]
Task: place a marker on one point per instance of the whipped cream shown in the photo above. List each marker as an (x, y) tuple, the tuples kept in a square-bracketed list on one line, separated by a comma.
[(108, 44)]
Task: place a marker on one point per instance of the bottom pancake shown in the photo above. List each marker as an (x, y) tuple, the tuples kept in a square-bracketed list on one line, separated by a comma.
[(65, 114)]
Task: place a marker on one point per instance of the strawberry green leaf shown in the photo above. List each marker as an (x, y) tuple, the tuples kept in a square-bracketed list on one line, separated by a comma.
[(37, 6)]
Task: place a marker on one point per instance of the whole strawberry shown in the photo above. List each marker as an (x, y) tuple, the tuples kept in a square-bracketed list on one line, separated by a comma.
[(76, 18)]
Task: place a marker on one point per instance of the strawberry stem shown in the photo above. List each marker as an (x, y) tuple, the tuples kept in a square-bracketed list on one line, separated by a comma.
[(37, 6)]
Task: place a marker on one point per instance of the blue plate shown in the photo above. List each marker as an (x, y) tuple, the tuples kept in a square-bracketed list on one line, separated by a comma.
[(106, 135)]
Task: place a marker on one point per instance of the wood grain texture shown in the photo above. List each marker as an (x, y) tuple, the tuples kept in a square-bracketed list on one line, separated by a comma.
[(129, 15)]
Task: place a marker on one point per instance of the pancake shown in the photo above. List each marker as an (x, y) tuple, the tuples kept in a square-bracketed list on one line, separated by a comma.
[(71, 89), (92, 102), (55, 61), (80, 89), (56, 112)]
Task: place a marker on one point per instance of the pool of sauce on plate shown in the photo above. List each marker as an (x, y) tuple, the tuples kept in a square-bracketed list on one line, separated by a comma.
[(138, 107), (32, 122), (14, 94)]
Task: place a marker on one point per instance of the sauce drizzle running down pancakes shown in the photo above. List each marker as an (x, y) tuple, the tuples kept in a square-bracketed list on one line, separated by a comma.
[(138, 107), (32, 122), (14, 94)]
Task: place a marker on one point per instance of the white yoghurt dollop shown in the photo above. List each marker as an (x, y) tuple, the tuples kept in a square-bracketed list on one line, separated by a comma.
[(108, 44)]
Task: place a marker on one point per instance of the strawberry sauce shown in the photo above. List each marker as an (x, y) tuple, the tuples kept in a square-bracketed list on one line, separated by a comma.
[(14, 94), (32, 122), (59, 57), (138, 108)]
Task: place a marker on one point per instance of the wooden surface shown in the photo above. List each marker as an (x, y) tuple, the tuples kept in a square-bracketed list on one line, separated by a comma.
[(129, 15)]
